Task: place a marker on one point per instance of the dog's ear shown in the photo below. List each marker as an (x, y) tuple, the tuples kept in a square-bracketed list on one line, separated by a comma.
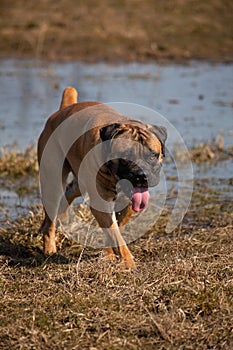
[(161, 133), (108, 131)]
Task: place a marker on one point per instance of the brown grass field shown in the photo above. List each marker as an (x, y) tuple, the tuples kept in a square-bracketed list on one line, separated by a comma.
[(180, 296)]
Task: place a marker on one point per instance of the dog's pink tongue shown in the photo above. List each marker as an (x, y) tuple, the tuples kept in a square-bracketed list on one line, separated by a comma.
[(140, 198)]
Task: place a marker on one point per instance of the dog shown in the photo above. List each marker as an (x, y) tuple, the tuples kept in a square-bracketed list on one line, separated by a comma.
[(124, 149)]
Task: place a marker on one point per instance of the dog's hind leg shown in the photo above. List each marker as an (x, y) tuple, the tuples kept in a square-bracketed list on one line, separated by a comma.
[(51, 193), (48, 229), (71, 192)]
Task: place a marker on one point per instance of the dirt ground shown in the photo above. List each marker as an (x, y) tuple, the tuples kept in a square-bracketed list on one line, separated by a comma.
[(117, 30)]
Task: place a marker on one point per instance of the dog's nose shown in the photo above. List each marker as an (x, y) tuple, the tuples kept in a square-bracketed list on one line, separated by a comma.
[(141, 176)]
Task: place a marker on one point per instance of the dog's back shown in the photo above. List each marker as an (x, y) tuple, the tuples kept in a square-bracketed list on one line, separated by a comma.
[(69, 98)]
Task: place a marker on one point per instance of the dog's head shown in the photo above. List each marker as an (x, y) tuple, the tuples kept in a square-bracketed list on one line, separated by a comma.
[(136, 156)]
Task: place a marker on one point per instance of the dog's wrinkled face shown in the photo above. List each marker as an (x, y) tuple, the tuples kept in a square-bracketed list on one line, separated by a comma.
[(136, 156)]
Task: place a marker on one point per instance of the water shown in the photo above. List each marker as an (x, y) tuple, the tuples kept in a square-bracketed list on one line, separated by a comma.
[(197, 99)]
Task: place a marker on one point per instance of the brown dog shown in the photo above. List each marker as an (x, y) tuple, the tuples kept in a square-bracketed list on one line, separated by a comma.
[(118, 148)]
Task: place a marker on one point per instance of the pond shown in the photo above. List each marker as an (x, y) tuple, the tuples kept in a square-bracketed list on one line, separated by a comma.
[(197, 99)]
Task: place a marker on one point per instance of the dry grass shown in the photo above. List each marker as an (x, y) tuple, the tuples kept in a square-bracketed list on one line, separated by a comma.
[(16, 164), (211, 152), (117, 30), (180, 297), (19, 170)]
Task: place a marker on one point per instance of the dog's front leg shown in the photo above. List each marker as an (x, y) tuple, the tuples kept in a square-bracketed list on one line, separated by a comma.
[(117, 245)]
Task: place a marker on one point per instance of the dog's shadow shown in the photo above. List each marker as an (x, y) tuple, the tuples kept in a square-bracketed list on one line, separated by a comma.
[(17, 254)]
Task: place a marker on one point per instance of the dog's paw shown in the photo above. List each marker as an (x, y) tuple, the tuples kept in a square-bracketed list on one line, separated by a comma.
[(109, 254), (50, 249), (128, 264)]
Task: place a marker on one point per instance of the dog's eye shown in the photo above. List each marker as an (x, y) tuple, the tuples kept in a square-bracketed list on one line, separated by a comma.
[(153, 156)]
